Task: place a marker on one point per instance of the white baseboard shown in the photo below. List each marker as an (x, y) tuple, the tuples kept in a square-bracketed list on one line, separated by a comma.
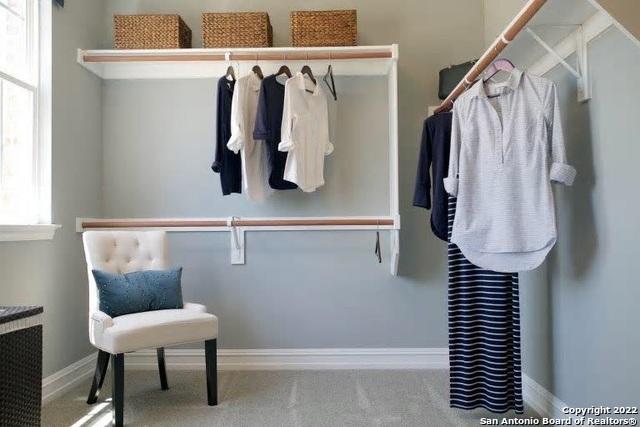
[(56, 384), (536, 396), (280, 359), (542, 400)]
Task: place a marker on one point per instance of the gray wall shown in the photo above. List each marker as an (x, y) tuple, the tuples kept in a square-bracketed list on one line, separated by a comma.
[(314, 289), (53, 273), (594, 287)]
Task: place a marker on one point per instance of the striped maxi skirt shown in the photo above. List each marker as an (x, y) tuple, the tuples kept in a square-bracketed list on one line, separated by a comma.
[(484, 335)]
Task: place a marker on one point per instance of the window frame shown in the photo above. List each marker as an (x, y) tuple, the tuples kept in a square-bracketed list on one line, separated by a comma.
[(37, 80)]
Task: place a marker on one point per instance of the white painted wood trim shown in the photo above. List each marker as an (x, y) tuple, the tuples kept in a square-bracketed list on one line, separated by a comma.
[(542, 400), (58, 383), (592, 28), (394, 191), (17, 233), (297, 359)]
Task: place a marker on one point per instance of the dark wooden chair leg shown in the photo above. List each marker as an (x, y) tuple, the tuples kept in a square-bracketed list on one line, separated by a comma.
[(211, 361), (163, 371), (117, 401), (98, 376)]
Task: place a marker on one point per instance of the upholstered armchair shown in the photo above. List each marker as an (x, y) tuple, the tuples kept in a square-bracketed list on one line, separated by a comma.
[(123, 252)]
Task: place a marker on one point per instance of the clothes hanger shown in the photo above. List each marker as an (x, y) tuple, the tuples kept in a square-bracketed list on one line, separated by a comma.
[(500, 64), (378, 251), (331, 84), (231, 74), (284, 70), (256, 69), (307, 70)]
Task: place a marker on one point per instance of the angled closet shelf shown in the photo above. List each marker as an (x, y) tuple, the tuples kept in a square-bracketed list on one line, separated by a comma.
[(212, 63), (572, 26)]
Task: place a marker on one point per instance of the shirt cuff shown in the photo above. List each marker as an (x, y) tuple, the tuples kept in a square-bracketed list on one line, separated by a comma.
[(216, 167), (235, 143), (328, 149), (286, 145), (562, 173), (451, 185), (421, 201)]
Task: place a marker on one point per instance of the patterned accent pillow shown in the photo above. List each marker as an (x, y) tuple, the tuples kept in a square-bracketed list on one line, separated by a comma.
[(138, 291)]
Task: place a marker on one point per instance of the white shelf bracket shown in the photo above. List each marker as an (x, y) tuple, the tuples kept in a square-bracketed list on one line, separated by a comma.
[(395, 251), (237, 243), (582, 72), (584, 84)]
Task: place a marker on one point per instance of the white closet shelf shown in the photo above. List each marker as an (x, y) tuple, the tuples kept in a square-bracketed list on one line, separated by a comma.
[(209, 63)]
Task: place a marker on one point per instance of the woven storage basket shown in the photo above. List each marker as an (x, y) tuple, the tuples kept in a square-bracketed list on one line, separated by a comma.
[(236, 29), (150, 32), (324, 28)]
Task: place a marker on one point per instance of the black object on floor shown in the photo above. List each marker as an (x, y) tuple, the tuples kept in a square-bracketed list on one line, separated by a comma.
[(20, 366)]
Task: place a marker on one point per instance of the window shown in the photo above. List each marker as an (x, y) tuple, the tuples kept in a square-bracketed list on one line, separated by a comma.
[(24, 162)]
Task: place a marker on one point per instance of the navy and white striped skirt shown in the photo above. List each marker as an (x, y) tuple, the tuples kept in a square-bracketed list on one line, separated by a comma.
[(484, 335)]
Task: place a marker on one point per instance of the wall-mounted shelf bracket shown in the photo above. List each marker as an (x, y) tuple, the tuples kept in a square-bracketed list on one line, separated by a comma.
[(237, 243), (395, 251), (581, 73)]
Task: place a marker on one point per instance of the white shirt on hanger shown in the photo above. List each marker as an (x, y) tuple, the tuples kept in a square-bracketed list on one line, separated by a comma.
[(255, 163), (305, 133), (505, 152)]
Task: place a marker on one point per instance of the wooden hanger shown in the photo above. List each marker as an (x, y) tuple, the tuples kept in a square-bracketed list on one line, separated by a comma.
[(284, 70), (230, 73), (307, 70), (256, 69)]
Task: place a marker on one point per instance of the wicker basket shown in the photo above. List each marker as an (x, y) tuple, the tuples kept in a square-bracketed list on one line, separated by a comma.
[(236, 29), (324, 28), (150, 32)]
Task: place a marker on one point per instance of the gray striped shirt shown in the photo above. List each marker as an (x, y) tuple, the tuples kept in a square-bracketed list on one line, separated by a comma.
[(505, 151)]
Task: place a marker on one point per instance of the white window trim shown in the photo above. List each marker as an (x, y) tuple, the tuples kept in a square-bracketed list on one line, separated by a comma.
[(19, 233), (45, 229)]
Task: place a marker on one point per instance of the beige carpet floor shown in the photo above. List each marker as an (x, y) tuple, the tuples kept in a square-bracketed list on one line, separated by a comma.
[(274, 399)]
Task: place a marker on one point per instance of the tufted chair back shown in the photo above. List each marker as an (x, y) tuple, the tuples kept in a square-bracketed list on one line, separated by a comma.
[(122, 252)]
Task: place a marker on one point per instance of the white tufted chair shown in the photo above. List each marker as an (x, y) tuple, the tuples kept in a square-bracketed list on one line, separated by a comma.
[(123, 252)]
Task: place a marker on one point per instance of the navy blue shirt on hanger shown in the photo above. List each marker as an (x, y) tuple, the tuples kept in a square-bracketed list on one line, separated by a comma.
[(434, 155), (267, 128), (227, 163)]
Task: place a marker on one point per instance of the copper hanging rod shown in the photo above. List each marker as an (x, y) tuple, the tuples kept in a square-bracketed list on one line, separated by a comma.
[(513, 29), (282, 56), (235, 222)]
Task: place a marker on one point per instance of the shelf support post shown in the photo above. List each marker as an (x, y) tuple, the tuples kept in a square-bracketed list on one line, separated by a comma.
[(394, 191)]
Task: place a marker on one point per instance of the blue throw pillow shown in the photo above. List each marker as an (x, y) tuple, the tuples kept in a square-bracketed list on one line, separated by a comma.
[(138, 291)]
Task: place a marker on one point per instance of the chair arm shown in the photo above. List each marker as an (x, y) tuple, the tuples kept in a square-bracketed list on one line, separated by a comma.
[(104, 320), (98, 322), (191, 306)]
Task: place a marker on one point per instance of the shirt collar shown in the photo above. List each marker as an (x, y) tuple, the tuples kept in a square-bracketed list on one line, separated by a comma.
[(478, 90), (300, 78)]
